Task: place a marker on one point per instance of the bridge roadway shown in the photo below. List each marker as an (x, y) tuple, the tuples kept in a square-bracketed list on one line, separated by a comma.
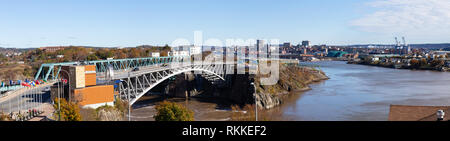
[(25, 99)]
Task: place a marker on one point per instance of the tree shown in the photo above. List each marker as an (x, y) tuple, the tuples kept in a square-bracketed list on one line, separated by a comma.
[(415, 63), (120, 54), (135, 53), (104, 53), (170, 111), (423, 62), (92, 57), (437, 63), (167, 47), (80, 53), (69, 110)]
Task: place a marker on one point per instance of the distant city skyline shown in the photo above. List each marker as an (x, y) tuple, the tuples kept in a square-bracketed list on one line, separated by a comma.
[(115, 23)]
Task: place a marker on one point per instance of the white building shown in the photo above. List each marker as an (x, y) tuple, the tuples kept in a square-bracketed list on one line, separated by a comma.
[(195, 50), (183, 53), (155, 54), (179, 53), (173, 53)]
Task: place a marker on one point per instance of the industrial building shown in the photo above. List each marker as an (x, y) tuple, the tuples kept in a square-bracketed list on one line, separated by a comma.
[(306, 43), (81, 87)]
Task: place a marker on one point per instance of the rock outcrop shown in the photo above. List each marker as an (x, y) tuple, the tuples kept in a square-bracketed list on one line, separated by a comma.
[(291, 78)]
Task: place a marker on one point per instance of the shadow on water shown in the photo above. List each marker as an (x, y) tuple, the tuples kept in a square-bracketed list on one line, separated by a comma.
[(153, 100)]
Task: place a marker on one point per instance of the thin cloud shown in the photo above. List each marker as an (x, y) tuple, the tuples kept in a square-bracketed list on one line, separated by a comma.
[(407, 17)]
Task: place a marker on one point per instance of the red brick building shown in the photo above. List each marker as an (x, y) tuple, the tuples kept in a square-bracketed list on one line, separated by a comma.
[(51, 49)]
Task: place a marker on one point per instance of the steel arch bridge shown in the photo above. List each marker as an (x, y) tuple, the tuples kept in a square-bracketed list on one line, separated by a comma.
[(134, 85)]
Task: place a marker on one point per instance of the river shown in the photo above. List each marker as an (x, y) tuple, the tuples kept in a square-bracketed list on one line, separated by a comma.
[(353, 93), (364, 93)]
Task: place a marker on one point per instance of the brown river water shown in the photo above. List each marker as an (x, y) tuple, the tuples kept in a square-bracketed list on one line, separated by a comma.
[(353, 93)]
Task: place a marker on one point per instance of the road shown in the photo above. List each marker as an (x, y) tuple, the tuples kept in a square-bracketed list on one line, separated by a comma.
[(29, 98)]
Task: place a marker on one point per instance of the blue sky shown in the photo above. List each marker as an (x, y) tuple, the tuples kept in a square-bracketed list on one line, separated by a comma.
[(32, 23)]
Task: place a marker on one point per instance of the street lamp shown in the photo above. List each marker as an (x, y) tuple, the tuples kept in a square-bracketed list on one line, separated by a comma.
[(59, 97), (256, 104), (68, 77)]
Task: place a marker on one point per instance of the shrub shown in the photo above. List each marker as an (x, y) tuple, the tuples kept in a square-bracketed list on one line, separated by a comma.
[(69, 110), (88, 114), (109, 113), (4, 117), (170, 111), (121, 105)]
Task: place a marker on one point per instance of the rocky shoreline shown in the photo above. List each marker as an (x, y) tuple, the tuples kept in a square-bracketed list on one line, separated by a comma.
[(401, 66), (305, 76), (292, 78)]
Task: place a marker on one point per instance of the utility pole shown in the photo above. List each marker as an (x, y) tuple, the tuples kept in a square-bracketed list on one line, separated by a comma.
[(256, 104), (10, 110), (38, 91), (129, 101), (59, 100), (33, 102)]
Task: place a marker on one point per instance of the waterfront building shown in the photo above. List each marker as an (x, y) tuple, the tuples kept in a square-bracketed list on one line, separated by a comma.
[(195, 50), (287, 45), (178, 53), (306, 43), (259, 46)]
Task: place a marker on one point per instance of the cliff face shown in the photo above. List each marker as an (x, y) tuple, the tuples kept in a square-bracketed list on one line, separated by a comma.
[(185, 85), (292, 78)]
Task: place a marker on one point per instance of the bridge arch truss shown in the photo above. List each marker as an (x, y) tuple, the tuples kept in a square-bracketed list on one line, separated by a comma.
[(138, 84)]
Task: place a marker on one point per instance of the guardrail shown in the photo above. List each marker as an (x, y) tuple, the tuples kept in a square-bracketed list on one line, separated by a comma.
[(11, 88)]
